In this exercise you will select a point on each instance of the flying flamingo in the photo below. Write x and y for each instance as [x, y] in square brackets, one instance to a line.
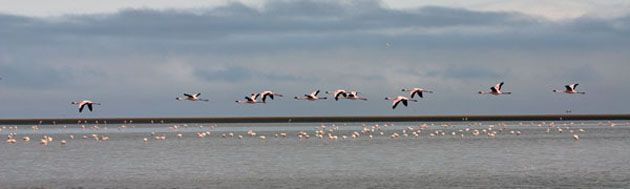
[269, 94]
[192, 97]
[250, 100]
[337, 93]
[84, 103]
[570, 89]
[312, 97]
[399, 99]
[353, 95]
[496, 90]
[414, 91]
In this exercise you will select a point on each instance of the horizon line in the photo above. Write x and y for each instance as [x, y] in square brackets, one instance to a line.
[314, 119]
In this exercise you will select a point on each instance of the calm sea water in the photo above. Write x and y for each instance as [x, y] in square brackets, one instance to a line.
[601, 158]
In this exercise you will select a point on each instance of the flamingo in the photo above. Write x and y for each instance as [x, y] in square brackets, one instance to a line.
[312, 97]
[570, 89]
[191, 97]
[414, 91]
[353, 95]
[269, 94]
[250, 100]
[399, 99]
[496, 90]
[337, 93]
[84, 103]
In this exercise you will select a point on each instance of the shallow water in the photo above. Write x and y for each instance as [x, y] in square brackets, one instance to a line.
[601, 158]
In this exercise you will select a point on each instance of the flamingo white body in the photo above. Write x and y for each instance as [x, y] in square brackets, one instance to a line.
[496, 90]
[85, 103]
[191, 97]
[250, 100]
[570, 89]
[353, 95]
[418, 91]
[399, 99]
[269, 94]
[338, 93]
[312, 97]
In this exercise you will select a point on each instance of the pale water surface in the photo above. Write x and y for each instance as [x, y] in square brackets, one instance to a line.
[601, 158]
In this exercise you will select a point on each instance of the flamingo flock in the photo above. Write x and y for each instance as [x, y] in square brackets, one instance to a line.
[331, 132]
[340, 94]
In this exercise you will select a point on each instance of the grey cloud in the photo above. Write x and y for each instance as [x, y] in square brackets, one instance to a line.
[580, 73]
[587, 25]
[300, 25]
[25, 75]
[281, 17]
[237, 74]
[231, 74]
[466, 72]
[283, 77]
[214, 29]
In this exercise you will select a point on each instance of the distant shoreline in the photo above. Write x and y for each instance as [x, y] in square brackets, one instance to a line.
[307, 119]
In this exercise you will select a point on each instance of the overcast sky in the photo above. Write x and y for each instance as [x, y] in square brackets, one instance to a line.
[135, 57]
